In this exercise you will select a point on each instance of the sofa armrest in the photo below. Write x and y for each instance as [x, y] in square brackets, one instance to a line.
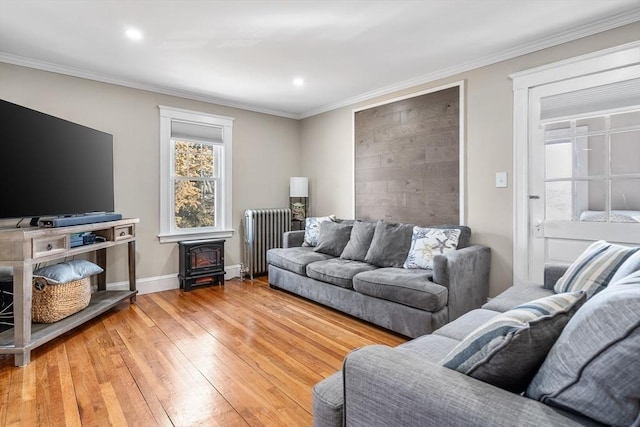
[384, 386]
[292, 239]
[465, 273]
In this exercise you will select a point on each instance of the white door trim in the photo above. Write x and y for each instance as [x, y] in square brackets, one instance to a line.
[524, 81]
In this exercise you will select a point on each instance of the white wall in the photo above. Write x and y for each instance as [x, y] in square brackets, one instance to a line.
[327, 148]
[266, 153]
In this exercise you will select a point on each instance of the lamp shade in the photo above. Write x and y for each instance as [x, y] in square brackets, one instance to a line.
[298, 186]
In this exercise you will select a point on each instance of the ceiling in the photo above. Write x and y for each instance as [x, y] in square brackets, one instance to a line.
[246, 53]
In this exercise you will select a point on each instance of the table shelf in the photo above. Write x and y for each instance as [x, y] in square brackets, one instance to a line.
[41, 333]
[23, 248]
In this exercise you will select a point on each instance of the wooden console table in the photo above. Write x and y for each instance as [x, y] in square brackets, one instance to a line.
[22, 248]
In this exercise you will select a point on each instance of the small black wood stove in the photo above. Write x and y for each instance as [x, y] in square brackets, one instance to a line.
[201, 263]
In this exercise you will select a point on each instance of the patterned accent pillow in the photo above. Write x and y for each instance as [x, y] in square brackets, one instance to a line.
[312, 229]
[594, 268]
[594, 367]
[507, 350]
[426, 243]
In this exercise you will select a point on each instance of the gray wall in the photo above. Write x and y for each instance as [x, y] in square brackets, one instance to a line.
[266, 152]
[328, 139]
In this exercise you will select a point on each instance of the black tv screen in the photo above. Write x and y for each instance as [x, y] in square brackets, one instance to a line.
[52, 167]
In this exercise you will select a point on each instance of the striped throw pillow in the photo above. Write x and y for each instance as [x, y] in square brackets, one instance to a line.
[594, 268]
[507, 350]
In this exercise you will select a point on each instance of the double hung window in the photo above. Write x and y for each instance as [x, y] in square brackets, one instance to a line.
[195, 198]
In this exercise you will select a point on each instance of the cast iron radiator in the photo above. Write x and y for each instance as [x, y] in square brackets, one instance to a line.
[263, 230]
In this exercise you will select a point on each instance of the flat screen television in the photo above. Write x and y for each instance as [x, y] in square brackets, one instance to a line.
[52, 167]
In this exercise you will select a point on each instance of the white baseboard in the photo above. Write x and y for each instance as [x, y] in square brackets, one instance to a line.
[148, 285]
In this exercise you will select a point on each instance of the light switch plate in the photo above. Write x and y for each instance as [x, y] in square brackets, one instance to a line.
[501, 179]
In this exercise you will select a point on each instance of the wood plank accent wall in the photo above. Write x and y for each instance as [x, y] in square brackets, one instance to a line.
[407, 160]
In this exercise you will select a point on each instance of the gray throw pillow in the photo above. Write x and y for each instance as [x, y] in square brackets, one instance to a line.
[312, 228]
[594, 367]
[359, 241]
[390, 244]
[507, 350]
[333, 237]
[65, 272]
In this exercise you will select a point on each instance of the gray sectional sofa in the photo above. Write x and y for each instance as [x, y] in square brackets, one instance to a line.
[591, 372]
[357, 268]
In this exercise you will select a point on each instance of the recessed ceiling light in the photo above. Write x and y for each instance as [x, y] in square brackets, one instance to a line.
[298, 81]
[133, 34]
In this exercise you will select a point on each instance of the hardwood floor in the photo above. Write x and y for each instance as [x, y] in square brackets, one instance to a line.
[238, 355]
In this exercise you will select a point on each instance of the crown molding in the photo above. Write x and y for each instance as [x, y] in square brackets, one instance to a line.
[76, 72]
[544, 43]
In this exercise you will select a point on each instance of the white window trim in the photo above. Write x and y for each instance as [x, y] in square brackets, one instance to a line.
[225, 228]
[524, 81]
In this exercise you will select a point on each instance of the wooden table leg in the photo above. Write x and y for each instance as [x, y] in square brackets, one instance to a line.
[132, 269]
[22, 291]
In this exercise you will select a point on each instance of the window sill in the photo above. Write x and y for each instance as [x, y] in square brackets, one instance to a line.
[195, 235]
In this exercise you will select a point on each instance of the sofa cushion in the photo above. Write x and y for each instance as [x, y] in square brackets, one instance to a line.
[507, 350]
[390, 244]
[333, 237]
[337, 271]
[294, 259]
[428, 242]
[359, 241]
[594, 367]
[553, 272]
[312, 229]
[408, 287]
[516, 295]
[594, 268]
[460, 328]
[430, 347]
[346, 221]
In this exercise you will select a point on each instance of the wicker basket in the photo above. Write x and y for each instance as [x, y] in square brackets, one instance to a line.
[54, 301]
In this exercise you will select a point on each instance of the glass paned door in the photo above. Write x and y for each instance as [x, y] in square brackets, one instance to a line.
[584, 173]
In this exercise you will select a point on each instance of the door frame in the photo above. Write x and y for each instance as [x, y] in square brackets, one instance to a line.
[523, 82]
